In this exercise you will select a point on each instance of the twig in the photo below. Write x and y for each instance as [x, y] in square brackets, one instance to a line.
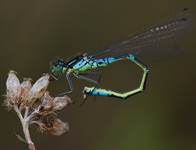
[25, 126]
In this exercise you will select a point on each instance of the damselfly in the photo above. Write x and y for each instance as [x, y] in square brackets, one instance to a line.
[147, 40]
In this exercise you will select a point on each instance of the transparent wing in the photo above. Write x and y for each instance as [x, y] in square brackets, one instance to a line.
[155, 35]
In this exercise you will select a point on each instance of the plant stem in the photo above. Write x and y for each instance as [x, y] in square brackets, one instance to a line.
[25, 126]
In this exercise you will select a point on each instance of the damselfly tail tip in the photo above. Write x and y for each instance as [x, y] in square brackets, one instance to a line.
[84, 94]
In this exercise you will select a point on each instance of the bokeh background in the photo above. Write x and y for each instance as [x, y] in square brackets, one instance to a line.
[32, 33]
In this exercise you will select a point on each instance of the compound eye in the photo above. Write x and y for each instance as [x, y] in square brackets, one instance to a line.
[59, 64]
[57, 68]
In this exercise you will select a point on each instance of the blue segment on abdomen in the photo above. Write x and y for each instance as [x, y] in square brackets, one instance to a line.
[100, 93]
[133, 57]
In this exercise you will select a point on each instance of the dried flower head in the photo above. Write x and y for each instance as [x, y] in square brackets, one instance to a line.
[40, 108]
[53, 126]
[13, 90]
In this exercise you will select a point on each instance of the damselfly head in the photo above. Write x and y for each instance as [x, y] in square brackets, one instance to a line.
[58, 65]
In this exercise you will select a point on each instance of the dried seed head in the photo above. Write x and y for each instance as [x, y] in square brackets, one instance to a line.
[13, 89]
[49, 105]
[58, 127]
[60, 102]
[46, 104]
[24, 94]
[26, 86]
[40, 107]
[38, 89]
[52, 126]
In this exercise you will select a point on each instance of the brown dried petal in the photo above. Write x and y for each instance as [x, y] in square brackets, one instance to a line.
[13, 88]
[58, 127]
[26, 83]
[46, 103]
[26, 86]
[52, 126]
[60, 102]
[38, 89]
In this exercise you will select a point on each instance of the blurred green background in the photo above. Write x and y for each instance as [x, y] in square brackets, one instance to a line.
[32, 33]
